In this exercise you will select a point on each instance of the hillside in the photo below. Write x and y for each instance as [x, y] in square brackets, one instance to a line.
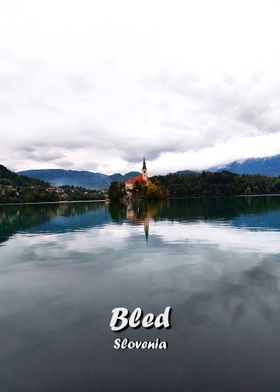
[223, 183]
[9, 178]
[15, 188]
[86, 179]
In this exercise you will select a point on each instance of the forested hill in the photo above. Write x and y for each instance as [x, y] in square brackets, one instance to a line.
[218, 184]
[16, 188]
[7, 177]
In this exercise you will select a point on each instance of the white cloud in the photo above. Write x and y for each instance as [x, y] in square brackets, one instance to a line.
[97, 85]
[223, 236]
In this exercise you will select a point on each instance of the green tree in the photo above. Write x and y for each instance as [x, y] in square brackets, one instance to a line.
[116, 191]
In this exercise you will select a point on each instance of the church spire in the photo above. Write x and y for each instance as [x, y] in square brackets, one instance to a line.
[144, 164]
[144, 171]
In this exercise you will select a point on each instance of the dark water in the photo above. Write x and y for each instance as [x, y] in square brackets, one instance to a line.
[63, 268]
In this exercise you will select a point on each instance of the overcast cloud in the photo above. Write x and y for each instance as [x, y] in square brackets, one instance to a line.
[95, 85]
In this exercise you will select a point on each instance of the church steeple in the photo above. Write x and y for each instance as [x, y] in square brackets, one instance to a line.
[144, 170]
[144, 164]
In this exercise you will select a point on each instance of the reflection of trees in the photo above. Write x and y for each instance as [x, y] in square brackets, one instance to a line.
[189, 209]
[24, 217]
[217, 208]
[137, 212]
[141, 209]
[117, 211]
[195, 208]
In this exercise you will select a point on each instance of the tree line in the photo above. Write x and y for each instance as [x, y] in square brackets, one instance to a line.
[224, 183]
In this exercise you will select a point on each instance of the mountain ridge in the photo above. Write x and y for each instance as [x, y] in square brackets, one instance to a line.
[268, 166]
[83, 178]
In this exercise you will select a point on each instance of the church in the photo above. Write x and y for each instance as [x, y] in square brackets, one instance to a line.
[130, 183]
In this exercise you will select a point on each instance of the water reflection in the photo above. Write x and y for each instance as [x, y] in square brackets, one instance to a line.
[63, 268]
[52, 218]
[141, 213]
[222, 221]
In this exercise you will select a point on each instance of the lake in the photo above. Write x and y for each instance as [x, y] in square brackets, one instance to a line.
[64, 267]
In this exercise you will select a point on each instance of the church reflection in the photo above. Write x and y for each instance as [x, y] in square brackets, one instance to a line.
[137, 215]
[138, 212]
[143, 213]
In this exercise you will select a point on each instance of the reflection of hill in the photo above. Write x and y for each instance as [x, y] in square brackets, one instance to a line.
[50, 218]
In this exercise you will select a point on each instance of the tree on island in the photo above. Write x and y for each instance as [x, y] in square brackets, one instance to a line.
[116, 191]
[141, 190]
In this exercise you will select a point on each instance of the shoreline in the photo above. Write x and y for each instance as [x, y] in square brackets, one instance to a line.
[108, 201]
[53, 202]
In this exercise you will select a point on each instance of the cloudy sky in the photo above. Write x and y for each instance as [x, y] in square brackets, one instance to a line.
[95, 85]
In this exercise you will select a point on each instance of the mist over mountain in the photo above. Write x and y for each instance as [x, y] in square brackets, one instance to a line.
[268, 166]
[85, 179]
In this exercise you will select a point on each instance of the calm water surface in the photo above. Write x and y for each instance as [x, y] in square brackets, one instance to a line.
[63, 268]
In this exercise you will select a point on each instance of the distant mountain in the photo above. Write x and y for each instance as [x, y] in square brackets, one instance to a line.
[187, 171]
[59, 177]
[86, 179]
[268, 166]
[120, 177]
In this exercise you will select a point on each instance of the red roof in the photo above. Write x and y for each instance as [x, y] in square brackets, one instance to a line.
[137, 178]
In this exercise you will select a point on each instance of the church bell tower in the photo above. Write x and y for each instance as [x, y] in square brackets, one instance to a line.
[144, 171]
